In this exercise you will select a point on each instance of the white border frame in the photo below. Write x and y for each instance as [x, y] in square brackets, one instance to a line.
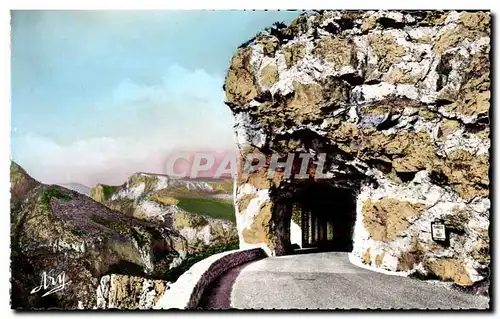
[186, 4]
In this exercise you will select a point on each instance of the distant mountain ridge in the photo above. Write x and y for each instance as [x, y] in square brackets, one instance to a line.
[77, 187]
[141, 183]
[201, 210]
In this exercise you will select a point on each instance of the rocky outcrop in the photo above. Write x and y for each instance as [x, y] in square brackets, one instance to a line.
[59, 233]
[187, 206]
[399, 102]
[201, 231]
[101, 193]
[129, 292]
[20, 184]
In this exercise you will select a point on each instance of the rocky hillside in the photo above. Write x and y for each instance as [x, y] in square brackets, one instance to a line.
[57, 231]
[20, 184]
[201, 210]
[399, 100]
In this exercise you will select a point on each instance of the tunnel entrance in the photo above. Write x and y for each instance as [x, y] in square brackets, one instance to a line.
[327, 216]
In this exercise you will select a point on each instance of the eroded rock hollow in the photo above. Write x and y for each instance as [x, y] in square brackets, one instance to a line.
[399, 102]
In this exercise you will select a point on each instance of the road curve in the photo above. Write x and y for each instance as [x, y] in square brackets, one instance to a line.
[327, 281]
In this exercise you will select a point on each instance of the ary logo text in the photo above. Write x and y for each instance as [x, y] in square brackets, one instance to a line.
[51, 282]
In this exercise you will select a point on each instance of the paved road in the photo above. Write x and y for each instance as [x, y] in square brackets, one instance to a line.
[327, 281]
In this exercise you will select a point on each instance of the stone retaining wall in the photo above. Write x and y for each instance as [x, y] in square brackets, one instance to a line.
[186, 292]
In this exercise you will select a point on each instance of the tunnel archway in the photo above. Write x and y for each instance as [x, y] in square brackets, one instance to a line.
[327, 216]
[315, 215]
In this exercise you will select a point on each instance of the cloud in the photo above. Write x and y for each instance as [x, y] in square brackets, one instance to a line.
[185, 110]
[83, 161]
[135, 132]
[177, 84]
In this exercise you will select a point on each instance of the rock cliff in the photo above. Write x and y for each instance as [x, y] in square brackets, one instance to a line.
[201, 211]
[129, 292]
[56, 231]
[399, 101]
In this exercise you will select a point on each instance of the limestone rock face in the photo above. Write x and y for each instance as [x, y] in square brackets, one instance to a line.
[166, 201]
[399, 101]
[129, 292]
[57, 231]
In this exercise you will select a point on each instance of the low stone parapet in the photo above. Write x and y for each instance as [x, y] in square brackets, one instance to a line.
[186, 292]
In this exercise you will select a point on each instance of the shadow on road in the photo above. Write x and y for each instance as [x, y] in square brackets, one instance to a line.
[313, 250]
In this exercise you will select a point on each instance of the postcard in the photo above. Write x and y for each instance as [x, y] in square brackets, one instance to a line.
[255, 160]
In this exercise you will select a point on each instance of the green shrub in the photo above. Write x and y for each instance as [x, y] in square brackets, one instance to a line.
[107, 191]
[53, 193]
[77, 232]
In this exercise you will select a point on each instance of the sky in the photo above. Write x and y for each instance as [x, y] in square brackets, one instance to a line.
[99, 95]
